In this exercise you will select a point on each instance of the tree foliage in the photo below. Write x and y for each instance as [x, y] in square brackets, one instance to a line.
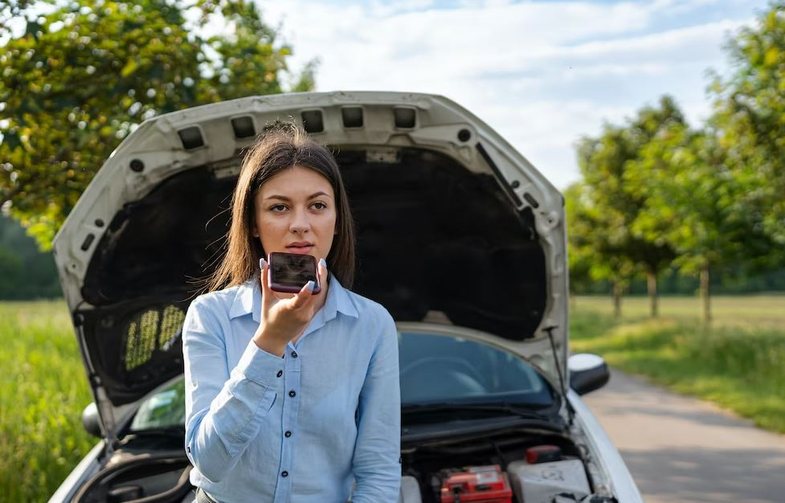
[697, 204]
[82, 76]
[749, 116]
[657, 193]
[614, 198]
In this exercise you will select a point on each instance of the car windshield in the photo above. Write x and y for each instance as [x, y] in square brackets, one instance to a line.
[435, 368]
[447, 368]
[165, 409]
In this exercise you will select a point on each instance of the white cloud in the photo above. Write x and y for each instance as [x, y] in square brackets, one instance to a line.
[541, 73]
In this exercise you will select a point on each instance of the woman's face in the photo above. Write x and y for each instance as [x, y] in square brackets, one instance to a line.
[295, 213]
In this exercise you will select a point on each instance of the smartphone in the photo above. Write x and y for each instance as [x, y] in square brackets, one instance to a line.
[289, 272]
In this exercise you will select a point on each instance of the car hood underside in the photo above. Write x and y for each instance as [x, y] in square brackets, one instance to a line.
[453, 225]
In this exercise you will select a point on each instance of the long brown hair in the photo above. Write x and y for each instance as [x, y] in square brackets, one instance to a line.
[283, 145]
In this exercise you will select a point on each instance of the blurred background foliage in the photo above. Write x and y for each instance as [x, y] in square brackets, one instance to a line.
[25, 271]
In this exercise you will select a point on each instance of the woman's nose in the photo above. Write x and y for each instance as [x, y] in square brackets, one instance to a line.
[300, 222]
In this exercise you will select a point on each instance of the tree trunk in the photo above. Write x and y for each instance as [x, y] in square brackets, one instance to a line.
[705, 294]
[651, 286]
[617, 291]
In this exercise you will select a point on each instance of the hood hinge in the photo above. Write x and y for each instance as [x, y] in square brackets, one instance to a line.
[102, 403]
[570, 414]
[105, 413]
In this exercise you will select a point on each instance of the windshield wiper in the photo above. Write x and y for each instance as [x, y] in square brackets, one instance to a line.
[487, 414]
[500, 408]
[177, 431]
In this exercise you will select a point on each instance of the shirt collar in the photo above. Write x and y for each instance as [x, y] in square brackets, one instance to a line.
[248, 300]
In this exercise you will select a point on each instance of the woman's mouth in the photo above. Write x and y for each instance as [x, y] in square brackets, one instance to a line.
[301, 247]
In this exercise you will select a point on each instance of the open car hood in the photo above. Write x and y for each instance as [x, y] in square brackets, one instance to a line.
[453, 225]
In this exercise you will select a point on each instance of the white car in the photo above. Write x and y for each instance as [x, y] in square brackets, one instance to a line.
[459, 236]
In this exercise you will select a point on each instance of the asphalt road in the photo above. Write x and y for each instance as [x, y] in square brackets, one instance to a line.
[684, 450]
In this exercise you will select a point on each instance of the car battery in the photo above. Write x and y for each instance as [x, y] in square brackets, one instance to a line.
[476, 484]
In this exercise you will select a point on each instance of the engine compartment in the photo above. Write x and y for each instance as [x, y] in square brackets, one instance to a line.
[511, 465]
[500, 468]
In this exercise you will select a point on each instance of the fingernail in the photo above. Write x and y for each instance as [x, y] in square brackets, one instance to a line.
[262, 263]
[310, 285]
[323, 263]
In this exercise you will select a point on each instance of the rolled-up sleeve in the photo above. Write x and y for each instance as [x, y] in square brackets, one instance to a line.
[376, 464]
[224, 407]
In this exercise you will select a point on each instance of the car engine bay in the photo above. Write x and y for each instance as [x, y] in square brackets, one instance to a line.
[505, 467]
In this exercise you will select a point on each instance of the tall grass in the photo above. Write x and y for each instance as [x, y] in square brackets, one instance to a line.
[43, 390]
[738, 362]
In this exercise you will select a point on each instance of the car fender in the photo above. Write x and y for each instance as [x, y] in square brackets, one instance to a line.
[605, 453]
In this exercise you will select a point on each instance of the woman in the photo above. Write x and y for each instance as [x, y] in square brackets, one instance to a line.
[291, 398]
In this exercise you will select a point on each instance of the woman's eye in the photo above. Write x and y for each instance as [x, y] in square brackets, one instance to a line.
[319, 205]
[278, 208]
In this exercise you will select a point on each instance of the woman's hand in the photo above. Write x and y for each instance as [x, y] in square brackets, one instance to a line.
[285, 316]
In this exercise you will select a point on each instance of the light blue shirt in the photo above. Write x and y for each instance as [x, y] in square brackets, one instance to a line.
[300, 428]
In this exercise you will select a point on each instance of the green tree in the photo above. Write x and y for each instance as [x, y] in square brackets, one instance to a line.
[593, 253]
[696, 203]
[579, 256]
[614, 198]
[243, 65]
[749, 116]
[598, 233]
[80, 77]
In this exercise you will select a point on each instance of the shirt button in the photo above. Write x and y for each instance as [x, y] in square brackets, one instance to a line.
[284, 473]
[280, 373]
[294, 354]
[287, 435]
[292, 394]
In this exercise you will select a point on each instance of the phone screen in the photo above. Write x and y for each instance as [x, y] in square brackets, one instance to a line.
[289, 272]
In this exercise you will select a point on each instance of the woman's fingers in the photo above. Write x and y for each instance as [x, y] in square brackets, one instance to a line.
[303, 296]
[322, 272]
[267, 293]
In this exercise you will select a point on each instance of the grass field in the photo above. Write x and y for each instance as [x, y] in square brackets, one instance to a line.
[753, 311]
[43, 390]
[738, 362]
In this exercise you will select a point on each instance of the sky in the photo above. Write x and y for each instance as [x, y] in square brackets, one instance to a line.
[543, 73]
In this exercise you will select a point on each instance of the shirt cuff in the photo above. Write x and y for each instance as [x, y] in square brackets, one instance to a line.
[261, 367]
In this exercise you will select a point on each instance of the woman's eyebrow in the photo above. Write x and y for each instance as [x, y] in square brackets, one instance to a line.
[287, 199]
[318, 194]
[276, 196]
